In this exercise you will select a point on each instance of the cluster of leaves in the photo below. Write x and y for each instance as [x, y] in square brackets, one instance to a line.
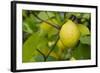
[39, 38]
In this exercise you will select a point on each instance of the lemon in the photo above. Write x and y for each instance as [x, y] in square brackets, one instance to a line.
[69, 34]
[45, 26]
[60, 44]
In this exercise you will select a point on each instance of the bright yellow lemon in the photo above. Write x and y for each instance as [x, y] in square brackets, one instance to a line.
[69, 34]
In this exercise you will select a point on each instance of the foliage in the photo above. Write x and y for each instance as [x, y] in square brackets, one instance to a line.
[40, 38]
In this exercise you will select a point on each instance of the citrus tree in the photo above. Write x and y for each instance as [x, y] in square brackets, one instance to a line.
[55, 36]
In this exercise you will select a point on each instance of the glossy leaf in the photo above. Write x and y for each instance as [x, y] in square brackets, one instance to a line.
[45, 15]
[83, 30]
[82, 52]
[85, 40]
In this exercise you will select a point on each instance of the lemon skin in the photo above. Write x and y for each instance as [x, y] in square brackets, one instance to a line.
[69, 34]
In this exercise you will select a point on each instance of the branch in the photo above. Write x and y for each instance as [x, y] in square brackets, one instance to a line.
[42, 54]
[52, 48]
[55, 26]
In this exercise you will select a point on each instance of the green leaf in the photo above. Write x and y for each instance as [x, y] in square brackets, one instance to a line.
[25, 36]
[77, 14]
[51, 58]
[82, 20]
[83, 30]
[43, 15]
[86, 23]
[26, 28]
[62, 16]
[86, 40]
[30, 24]
[54, 21]
[87, 16]
[50, 14]
[40, 58]
[37, 58]
[82, 52]
[24, 13]
[58, 18]
[35, 41]
[68, 14]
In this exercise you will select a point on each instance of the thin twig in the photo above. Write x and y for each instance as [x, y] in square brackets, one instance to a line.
[42, 54]
[52, 48]
[48, 15]
[55, 26]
